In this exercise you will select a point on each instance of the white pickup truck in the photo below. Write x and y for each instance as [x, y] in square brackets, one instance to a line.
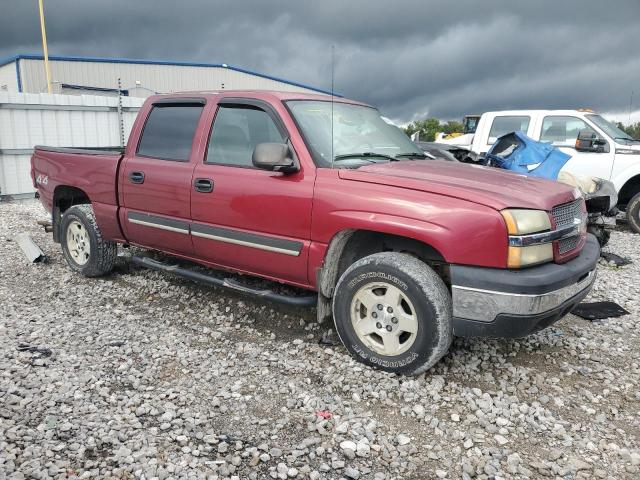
[612, 155]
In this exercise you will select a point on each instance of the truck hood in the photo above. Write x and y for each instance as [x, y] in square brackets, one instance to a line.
[482, 185]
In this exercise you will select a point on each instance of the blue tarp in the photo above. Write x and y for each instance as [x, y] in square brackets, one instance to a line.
[519, 153]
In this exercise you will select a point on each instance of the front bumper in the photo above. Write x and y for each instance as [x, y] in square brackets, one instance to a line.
[490, 302]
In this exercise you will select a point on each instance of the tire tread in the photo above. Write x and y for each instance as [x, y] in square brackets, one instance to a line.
[106, 251]
[430, 283]
[633, 213]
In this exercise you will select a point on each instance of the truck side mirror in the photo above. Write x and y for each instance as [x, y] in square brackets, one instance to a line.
[588, 141]
[275, 157]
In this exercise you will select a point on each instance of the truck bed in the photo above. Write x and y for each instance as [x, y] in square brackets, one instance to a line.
[92, 171]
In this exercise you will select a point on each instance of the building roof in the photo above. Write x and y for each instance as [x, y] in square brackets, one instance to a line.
[64, 58]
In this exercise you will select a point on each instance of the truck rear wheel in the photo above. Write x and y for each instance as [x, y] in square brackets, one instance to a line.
[393, 312]
[82, 245]
[633, 213]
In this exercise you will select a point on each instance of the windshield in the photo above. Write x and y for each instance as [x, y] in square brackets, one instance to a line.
[609, 128]
[360, 135]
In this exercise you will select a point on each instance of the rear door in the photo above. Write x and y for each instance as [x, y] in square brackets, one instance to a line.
[155, 180]
[562, 132]
[250, 219]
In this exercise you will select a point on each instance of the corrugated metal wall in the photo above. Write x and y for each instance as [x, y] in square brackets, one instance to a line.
[158, 78]
[8, 77]
[29, 119]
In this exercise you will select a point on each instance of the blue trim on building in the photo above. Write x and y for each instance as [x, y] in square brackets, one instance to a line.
[5, 60]
[31, 56]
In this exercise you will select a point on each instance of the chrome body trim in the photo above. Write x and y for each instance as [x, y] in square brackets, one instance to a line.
[158, 225]
[226, 235]
[485, 305]
[245, 243]
[546, 237]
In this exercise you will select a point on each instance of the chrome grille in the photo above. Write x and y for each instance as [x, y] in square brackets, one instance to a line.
[564, 216]
[565, 213]
[567, 244]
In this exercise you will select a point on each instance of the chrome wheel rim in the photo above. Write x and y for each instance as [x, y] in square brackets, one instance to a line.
[78, 243]
[384, 318]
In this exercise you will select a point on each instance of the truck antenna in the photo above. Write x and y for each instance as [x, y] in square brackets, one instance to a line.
[333, 47]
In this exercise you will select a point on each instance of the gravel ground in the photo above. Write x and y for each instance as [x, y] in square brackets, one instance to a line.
[140, 375]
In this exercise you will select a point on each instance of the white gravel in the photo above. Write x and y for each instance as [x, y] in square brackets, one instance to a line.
[140, 375]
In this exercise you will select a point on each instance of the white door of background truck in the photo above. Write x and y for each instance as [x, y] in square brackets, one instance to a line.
[562, 131]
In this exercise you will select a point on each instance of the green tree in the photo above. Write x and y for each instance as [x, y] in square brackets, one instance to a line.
[428, 128]
[451, 127]
[632, 129]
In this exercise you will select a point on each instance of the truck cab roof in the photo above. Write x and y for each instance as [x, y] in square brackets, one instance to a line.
[569, 112]
[256, 94]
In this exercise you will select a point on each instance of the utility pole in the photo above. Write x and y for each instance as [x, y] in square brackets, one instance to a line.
[44, 46]
[120, 113]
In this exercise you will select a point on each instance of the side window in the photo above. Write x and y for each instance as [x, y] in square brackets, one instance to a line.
[236, 132]
[562, 131]
[169, 130]
[507, 124]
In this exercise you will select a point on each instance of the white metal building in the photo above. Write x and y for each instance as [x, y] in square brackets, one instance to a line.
[140, 78]
[83, 110]
[29, 119]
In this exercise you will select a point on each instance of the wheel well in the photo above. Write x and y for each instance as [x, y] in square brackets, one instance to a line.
[65, 197]
[350, 246]
[628, 190]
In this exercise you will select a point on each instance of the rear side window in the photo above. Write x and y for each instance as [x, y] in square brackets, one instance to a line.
[507, 124]
[236, 132]
[169, 130]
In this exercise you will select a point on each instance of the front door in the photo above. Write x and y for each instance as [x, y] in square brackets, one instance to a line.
[562, 131]
[250, 220]
[156, 178]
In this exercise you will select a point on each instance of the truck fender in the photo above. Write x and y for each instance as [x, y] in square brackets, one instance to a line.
[64, 197]
[417, 230]
[621, 179]
[328, 274]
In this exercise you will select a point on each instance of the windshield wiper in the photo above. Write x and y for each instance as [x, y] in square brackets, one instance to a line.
[364, 155]
[628, 139]
[411, 155]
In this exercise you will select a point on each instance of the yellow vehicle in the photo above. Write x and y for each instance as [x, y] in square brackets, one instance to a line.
[470, 123]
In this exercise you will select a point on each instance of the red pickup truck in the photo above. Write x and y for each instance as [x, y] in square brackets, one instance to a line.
[403, 251]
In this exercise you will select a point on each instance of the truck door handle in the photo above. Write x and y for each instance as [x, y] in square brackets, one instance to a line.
[136, 177]
[203, 185]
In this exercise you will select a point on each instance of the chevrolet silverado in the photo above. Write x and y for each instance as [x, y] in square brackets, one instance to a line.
[403, 251]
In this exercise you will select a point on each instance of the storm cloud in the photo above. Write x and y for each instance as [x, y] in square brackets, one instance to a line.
[410, 58]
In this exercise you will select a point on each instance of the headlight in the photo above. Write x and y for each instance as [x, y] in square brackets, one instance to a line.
[527, 256]
[524, 222]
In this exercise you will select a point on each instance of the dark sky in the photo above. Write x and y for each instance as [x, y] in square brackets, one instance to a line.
[410, 58]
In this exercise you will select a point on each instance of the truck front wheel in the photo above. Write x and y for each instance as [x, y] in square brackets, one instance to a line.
[633, 213]
[82, 244]
[393, 312]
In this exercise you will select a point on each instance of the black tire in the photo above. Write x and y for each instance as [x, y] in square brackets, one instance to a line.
[102, 254]
[428, 296]
[633, 213]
